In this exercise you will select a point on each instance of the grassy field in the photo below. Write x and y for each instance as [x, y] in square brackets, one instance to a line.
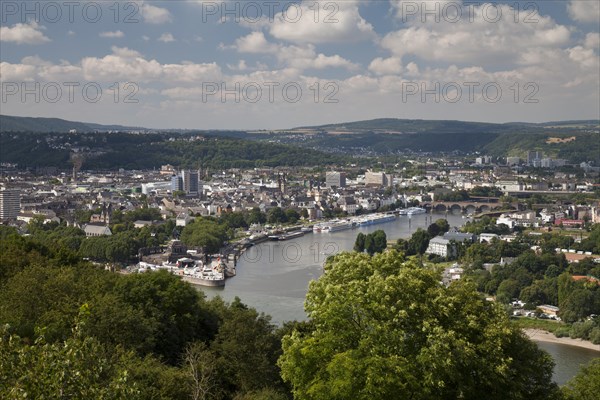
[534, 323]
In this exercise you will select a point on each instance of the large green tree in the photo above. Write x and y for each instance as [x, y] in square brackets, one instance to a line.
[418, 242]
[204, 232]
[78, 368]
[386, 329]
[276, 216]
[586, 384]
[359, 244]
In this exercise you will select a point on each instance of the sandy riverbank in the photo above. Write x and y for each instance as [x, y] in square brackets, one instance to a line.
[538, 335]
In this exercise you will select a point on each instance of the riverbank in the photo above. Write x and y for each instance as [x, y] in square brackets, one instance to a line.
[538, 335]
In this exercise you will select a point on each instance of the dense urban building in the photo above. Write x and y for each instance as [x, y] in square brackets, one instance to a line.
[335, 179]
[10, 204]
[377, 179]
[176, 183]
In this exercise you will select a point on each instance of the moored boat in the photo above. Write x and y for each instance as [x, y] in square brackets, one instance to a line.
[416, 211]
[336, 226]
[212, 274]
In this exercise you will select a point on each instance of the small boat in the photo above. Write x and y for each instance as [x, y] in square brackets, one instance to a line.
[292, 235]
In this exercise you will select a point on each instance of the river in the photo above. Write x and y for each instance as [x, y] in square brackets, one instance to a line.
[273, 277]
[568, 359]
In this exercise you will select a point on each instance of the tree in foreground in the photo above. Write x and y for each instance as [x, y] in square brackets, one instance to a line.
[384, 328]
[586, 384]
[78, 368]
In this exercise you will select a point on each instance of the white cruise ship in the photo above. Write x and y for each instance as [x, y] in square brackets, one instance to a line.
[336, 226]
[413, 211]
[373, 219]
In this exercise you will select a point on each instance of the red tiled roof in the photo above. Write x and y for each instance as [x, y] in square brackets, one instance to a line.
[587, 278]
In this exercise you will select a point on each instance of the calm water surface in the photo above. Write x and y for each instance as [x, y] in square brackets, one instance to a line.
[568, 359]
[273, 277]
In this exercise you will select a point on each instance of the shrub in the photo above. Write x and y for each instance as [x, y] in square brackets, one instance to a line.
[582, 329]
[595, 335]
[562, 332]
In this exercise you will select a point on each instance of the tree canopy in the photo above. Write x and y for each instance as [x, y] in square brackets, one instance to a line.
[385, 328]
[586, 384]
[205, 232]
[375, 242]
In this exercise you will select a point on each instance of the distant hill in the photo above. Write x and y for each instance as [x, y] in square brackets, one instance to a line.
[110, 151]
[394, 125]
[575, 141]
[407, 126]
[10, 123]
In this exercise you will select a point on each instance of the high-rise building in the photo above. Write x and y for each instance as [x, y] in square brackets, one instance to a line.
[546, 163]
[534, 158]
[513, 160]
[10, 204]
[191, 181]
[337, 179]
[483, 160]
[376, 179]
[176, 183]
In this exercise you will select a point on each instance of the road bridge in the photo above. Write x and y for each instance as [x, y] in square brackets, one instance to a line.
[469, 207]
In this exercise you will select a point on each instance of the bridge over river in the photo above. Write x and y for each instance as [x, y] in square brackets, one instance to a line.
[469, 207]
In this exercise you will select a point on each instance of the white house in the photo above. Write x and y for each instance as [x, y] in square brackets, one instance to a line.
[183, 219]
[141, 224]
[92, 230]
[28, 216]
[443, 246]
[487, 237]
[348, 204]
[439, 246]
[506, 220]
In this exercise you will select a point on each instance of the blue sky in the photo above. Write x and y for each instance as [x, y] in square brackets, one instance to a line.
[278, 64]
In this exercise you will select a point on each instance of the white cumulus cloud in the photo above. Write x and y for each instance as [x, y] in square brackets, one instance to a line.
[386, 66]
[155, 15]
[112, 34]
[166, 38]
[302, 56]
[322, 22]
[255, 42]
[476, 41]
[584, 11]
[29, 33]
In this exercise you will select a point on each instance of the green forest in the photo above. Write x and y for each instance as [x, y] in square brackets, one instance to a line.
[130, 151]
[240, 149]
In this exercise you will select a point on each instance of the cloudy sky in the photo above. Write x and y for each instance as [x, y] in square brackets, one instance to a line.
[277, 64]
